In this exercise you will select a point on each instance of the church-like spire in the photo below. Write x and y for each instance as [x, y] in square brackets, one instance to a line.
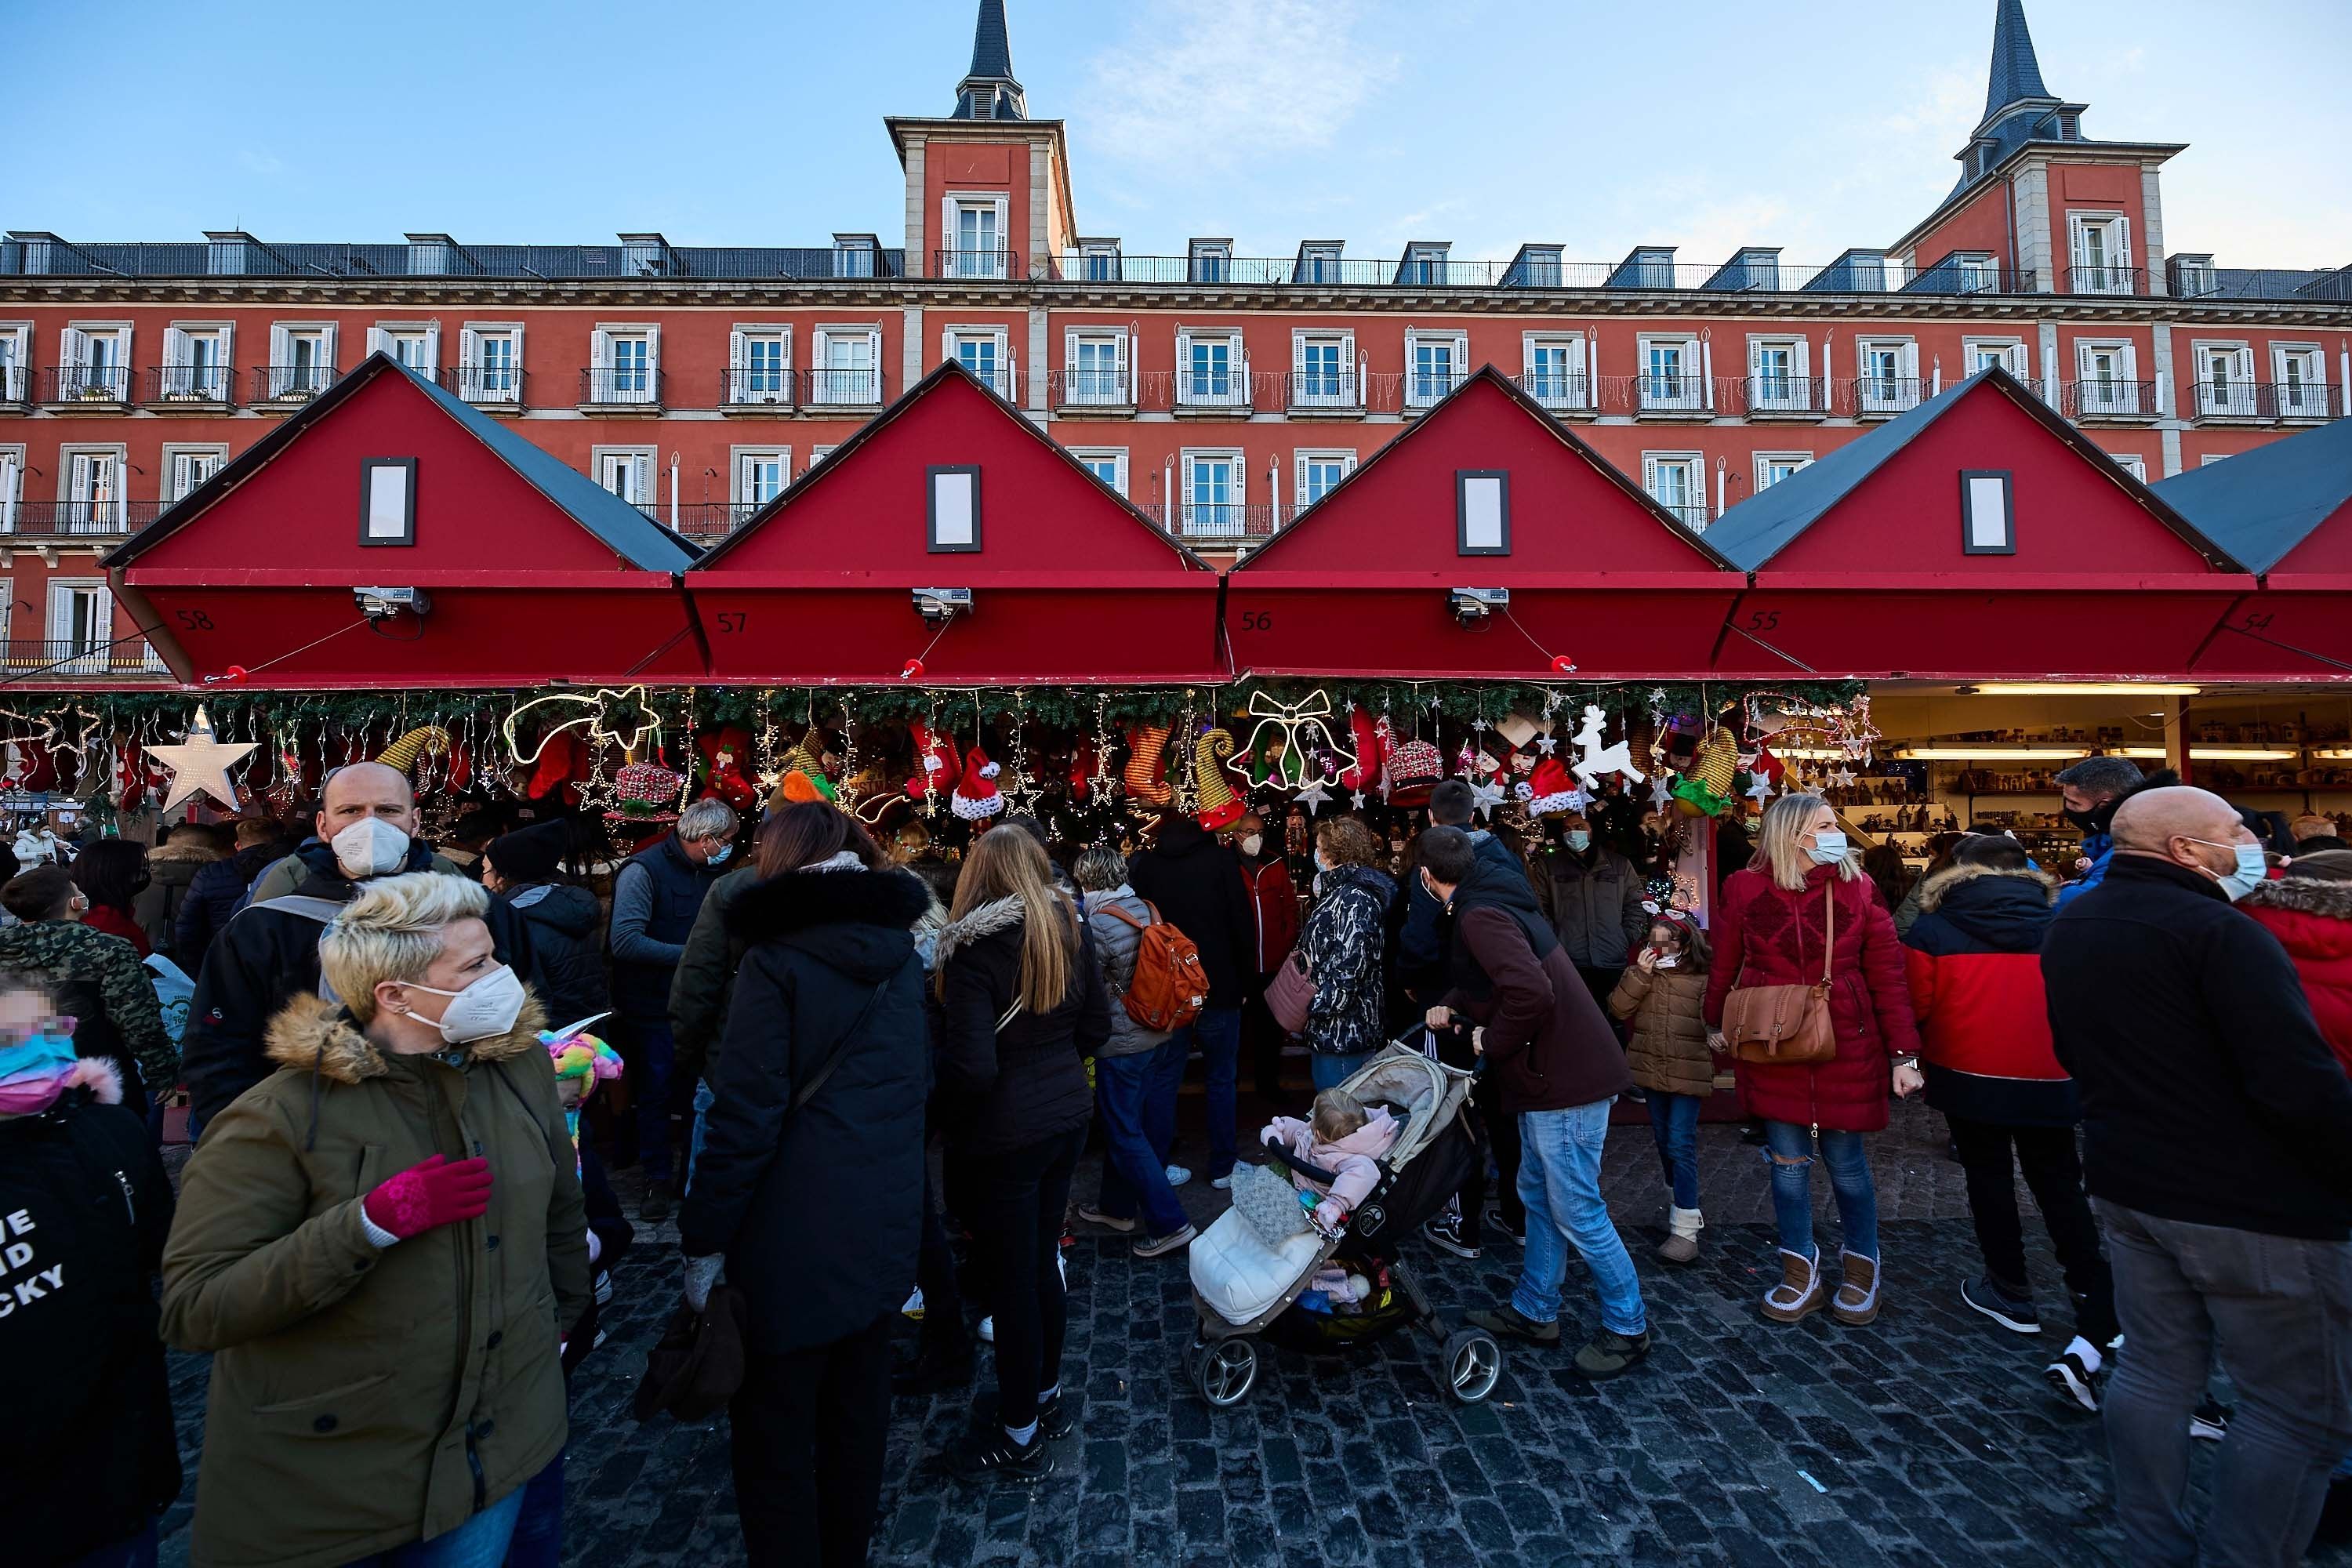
[988, 90]
[2016, 74]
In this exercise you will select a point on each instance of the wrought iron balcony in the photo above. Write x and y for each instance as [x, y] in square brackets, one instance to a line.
[81, 656]
[2101, 399]
[1878, 395]
[629, 386]
[755, 386]
[15, 384]
[1694, 514]
[492, 386]
[840, 387]
[2081, 279]
[286, 385]
[47, 520]
[1092, 389]
[106, 384]
[1791, 396]
[1558, 390]
[706, 521]
[2263, 400]
[1001, 262]
[1214, 520]
[1324, 391]
[1424, 388]
[1213, 389]
[1658, 392]
[198, 383]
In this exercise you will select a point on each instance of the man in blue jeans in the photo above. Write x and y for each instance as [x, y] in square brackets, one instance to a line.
[1553, 1061]
[1195, 881]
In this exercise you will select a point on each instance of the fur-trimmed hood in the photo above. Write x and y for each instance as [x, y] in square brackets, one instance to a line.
[190, 852]
[984, 921]
[1935, 888]
[314, 1035]
[823, 896]
[2302, 896]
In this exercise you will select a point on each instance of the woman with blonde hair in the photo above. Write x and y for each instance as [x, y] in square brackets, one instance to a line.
[1023, 1006]
[382, 1244]
[1804, 904]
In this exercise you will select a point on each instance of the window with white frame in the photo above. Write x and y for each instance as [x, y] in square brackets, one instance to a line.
[818, 455]
[416, 344]
[185, 468]
[1319, 473]
[1323, 370]
[1555, 376]
[625, 364]
[1216, 486]
[1212, 370]
[853, 257]
[1677, 481]
[1771, 467]
[94, 362]
[976, 228]
[195, 363]
[489, 362]
[2210, 459]
[301, 361]
[15, 362]
[1107, 464]
[2099, 247]
[2225, 380]
[1983, 353]
[90, 484]
[1095, 368]
[984, 352]
[1778, 378]
[1888, 378]
[760, 363]
[848, 362]
[760, 475]
[2299, 381]
[2106, 379]
[1433, 365]
[627, 472]
[1670, 378]
[82, 622]
[2131, 463]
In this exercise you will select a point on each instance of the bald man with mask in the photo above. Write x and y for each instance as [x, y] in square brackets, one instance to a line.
[2218, 1151]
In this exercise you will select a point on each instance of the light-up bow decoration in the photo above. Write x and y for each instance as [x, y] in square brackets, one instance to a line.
[1299, 724]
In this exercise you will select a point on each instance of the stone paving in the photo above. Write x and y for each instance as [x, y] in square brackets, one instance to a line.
[1928, 1437]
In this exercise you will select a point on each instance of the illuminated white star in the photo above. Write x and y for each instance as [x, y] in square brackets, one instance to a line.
[1760, 788]
[1314, 798]
[200, 764]
[1362, 800]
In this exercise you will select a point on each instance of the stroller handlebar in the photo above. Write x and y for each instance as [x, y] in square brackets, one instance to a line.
[1306, 1168]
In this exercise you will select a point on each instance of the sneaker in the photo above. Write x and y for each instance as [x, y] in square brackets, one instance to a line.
[1178, 1175]
[914, 1307]
[1093, 1215]
[994, 1456]
[988, 1330]
[2075, 1375]
[1611, 1354]
[1507, 1322]
[654, 1206]
[603, 1282]
[1497, 1222]
[1161, 1245]
[1222, 1184]
[2209, 1421]
[1056, 1418]
[1445, 1231]
[2011, 1312]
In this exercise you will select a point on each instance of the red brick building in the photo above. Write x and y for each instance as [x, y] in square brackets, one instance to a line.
[1222, 393]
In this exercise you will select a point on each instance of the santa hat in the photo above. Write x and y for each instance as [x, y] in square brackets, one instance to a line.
[975, 794]
[1550, 789]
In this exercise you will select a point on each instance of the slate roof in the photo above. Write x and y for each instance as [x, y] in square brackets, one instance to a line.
[2262, 503]
[2016, 74]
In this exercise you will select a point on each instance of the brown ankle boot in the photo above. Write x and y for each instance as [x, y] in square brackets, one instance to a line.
[1798, 1296]
[1857, 1294]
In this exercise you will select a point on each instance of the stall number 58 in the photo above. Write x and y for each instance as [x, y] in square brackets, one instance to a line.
[194, 620]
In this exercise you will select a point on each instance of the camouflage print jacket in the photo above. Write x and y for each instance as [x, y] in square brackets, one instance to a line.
[90, 970]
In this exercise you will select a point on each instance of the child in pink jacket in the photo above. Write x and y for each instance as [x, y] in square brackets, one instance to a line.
[1343, 1138]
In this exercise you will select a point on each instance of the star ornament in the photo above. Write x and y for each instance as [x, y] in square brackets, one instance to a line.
[1314, 798]
[200, 763]
[1485, 798]
[1760, 788]
[1547, 744]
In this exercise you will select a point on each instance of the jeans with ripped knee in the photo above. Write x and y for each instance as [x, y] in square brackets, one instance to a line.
[1789, 1150]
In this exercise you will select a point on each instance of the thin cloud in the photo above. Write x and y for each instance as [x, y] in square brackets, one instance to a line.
[261, 162]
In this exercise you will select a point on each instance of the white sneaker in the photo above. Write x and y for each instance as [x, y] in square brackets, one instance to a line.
[1178, 1175]
[988, 1330]
[1222, 1184]
[914, 1307]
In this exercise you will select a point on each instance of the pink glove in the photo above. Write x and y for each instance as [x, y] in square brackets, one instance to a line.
[434, 1193]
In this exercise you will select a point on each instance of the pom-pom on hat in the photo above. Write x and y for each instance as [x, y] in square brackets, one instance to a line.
[1549, 790]
[975, 797]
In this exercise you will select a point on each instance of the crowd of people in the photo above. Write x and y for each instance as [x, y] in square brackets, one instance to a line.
[396, 1227]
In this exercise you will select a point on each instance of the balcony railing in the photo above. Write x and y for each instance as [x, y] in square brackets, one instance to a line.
[1787, 394]
[240, 256]
[2263, 400]
[1694, 514]
[1212, 388]
[495, 385]
[755, 386]
[103, 383]
[2101, 399]
[186, 383]
[1873, 394]
[1423, 388]
[1557, 389]
[292, 384]
[999, 262]
[1658, 393]
[2086, 280]
[706, 521]
[15, 384]
[841, 388]
[68, 656]
[1218, 520]
[1092, 389]
[631, 386]
[1324, 391]
[103, 518]
[2202, 281]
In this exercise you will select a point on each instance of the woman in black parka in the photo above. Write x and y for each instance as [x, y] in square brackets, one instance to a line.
[817, 1211]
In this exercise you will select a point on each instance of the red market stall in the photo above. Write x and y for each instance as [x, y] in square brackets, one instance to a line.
[951, 542]
[390, 535]
[2285, 509]
[1980, 536]
[1486, 543]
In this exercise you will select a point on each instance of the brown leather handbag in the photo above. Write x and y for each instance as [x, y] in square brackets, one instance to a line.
[1786, 1023]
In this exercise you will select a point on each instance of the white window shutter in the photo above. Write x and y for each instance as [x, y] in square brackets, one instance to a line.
[737, 356]
[1911, 362]
[279, 354]
[433, 348]
[2013, 360]
[947, 346]
[1755, 359]
[73, 348]
[470, 346]
[1119, 374]
[228, 346]
[1803, 359]
[2123, 242]
[326, 341]
[379, 342]
[1297, 354]
[599, 351]
[176, 348]
[652, 348]
[786, 337]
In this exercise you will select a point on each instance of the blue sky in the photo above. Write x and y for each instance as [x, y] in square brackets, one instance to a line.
[1810, 124]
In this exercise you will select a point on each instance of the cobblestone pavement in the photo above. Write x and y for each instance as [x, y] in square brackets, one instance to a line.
[1928, 1437]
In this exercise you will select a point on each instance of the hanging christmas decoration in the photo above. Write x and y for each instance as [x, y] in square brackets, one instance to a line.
[1217, 807]
[621, 717]
[976, 796]
[1412, 770]
[1315, 796]
[405, 752]
[803, 775]
[1298, 741]
[200, 763]
[645, 797]
[1707, 790]
[1020, 790]
[1549, 790]
[936, 766]
[1147, 747]
[1600, 757]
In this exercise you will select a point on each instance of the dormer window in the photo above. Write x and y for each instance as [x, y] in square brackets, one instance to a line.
[1099, 260]
[1319, 261]
[2067, 126]
[1538, 267]
[852, 255]
[1211, 261]
[1424, 264]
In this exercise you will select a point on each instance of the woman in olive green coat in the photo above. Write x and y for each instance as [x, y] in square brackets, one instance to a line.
[382, 1243]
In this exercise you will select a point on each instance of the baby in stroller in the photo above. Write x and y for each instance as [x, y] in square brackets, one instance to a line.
[1344, 1137]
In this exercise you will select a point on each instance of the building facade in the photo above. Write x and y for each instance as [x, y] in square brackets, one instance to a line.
[1224, 394]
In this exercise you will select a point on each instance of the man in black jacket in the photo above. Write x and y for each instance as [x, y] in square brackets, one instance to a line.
[1596, 907]
[1195, 883]
[524, 868]
[216, 891]
[269, 954]
[2218, 1150]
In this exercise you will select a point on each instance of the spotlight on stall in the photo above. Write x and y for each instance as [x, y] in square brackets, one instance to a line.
[937, 607]
[1473, 607]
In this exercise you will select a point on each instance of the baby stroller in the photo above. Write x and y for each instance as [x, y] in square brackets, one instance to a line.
[1244, 1289]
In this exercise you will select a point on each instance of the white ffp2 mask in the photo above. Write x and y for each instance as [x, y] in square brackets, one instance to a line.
[370, 847]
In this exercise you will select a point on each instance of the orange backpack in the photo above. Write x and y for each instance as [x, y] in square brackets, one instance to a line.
[1168, 987]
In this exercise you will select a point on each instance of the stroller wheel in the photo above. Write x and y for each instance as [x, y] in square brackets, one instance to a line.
[1474, 1364]
[1224, 1372]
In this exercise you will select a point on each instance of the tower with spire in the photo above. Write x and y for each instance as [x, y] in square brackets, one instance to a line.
[988, 90]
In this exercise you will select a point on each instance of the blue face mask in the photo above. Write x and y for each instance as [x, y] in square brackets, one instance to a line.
[1829, 847]
[719, 856]
[37, 1054]
[2254, 869]
[1579, 839]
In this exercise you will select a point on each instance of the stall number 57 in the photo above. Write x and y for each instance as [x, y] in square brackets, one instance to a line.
[732, 621]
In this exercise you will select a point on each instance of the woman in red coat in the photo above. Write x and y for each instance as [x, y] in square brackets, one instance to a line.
[2309, 910]
[1770, 931]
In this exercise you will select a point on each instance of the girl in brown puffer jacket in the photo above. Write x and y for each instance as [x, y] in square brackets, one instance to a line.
[1671, 1055]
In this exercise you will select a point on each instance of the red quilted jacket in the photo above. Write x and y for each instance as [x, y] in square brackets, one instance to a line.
[2312, 920]
[1765, 935]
